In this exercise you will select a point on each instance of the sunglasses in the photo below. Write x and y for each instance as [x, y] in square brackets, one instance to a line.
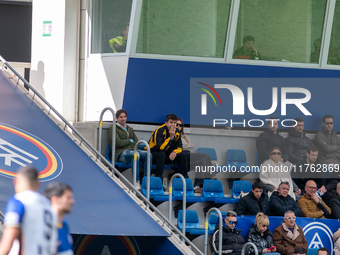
[179, 125]
[329, 123]
[232, 222]
[276, 153]
[290, 218]
[265, 226]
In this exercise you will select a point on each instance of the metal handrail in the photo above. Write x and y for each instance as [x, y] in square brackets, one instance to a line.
[184, 200]
[246, 246]
[148, 169]
[206, 231]
[100, 134]
[101, 157]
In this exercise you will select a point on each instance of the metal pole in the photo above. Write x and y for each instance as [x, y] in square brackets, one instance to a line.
[148, 172]
[100, 133]
[249, 244]
[184, 199]
[206, 231]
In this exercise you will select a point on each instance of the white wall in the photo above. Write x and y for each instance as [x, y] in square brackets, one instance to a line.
[54, 68]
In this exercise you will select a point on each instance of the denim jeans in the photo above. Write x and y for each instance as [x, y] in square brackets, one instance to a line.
[127, 157]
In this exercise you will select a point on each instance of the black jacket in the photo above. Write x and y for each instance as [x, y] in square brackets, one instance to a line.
[249, 205]
[261, 242]
[278, 205]
[334, 204]
[232, 240]
[268, 140]
[297, 144]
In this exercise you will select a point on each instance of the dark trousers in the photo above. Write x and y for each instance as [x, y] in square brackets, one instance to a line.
[160, 158]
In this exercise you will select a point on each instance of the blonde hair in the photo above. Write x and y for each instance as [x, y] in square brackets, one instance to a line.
[261, 218]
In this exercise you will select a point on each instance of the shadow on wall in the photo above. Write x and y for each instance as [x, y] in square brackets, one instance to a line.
[38, 77]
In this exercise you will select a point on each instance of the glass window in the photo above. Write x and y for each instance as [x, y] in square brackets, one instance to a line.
[279, 30]
[110, 25]
[186, 28]
[334, 47]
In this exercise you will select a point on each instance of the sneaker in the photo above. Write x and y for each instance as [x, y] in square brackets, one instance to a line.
[138, 185]
[165, 183]
[198, 189]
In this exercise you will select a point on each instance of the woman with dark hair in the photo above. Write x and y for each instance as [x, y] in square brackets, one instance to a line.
[194, 159]
[273, 172]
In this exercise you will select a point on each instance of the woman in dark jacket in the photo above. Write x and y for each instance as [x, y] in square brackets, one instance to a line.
[260, 235]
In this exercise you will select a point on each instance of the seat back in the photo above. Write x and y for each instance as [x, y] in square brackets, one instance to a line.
[191, 220]
[108, 153]
[156, 186]
[236, 158]
[210, 151]
[312, 251]
[239, 186]
[177, 187]
[213, 220]
[212, 189]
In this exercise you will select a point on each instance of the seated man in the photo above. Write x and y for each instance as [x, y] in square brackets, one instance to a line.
[297, 142]
[232, 240]
[311, 205]
[256, 201]
[166, 147]
[300, 251]
[247, 51]
[334, 202]
[289, 236]
[281, 201]
[126, 140]
[118, 44]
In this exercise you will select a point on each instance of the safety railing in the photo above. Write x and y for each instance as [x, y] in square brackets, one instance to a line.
[207, 228]
[100, 133]
[244, 249]
[148, 168]
[99, 156]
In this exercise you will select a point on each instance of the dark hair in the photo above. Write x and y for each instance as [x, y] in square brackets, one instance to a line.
[298, 119]
[326, 117]
[30, 173]
[312, 148]
[275, 148]
[300, 250]
[231, 214]
[182, 131]
[283, 183]
[170, 117]
[248, 38]
[56, 189]
[257, 184]
[119, 112]
[323, 249]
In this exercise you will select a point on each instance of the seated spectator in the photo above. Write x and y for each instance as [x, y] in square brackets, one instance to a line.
[256, 201]
[247, 51]
[118, 44]
[281, 201]
[126, 140]
[260, 235]
[323, 251]
[334, 203]
[289, 236]
[268, 139]
[300, 251]
[232, 240]
[337, 242]
[194, 159]
[297, 142]
[312, 206]
[166, 147]
[273, 172]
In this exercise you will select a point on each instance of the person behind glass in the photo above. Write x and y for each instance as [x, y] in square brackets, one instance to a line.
[126, 140]
[232, 240]
[261, 236]
[273, 172]
[247, 51]
[118, 44]
[300, 251]
[201, 160]
[314, 56]
[281, 201]
[288, 235]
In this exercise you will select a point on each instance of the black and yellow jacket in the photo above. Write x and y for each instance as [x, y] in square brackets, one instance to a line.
[160, 140]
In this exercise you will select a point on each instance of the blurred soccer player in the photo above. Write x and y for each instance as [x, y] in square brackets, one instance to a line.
[29, 218]
[61, 197]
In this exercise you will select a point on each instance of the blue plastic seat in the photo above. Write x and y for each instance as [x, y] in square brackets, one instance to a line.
[239, 186]
[213, 191]
[236, 158]
[118, 164]
[312, 251]
[210, 151]
[190, 196]
[192, 224]
[213, 220]
[156, 189]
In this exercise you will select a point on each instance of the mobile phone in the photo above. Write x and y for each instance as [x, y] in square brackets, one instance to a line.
[272, 248]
